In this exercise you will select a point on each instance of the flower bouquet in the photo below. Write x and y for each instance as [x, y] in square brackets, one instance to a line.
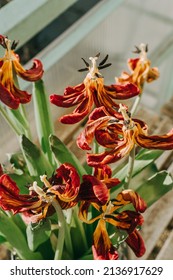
[52, 206]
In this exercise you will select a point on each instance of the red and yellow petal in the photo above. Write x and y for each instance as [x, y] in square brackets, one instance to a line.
[81, 111]
[105, 175]
[65, 183]
[11, 200]
[33, 74]
[69, 99]
[122, 92]
[136, 243]
[161, 142]
[102, 247]
[93, 190]
[8, 98]
[129, 196]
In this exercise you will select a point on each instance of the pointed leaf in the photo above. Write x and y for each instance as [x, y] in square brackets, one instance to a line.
[155, 187]
[62, 154]
[38, 234]
[142, 161]
[2, 239]
[11, 232]
[36, 161]
[43, 119]
[18, 119]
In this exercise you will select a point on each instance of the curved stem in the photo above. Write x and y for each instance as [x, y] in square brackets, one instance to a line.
[130, 168]
[61, 230]
[136, 104]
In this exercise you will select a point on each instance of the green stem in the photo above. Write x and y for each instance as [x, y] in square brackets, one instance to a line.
[79, 225]
[61, 230]
[68, 241]
[9, 121]
[136, 104]
[130, 168]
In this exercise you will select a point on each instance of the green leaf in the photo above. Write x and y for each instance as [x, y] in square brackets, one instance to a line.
[62, 154]
[142, 161]
[17, 161]
[36, 161]
[38, 234]
[155, 187]
[18, 119]
[11, 232]
[2, 239]
[43, 119]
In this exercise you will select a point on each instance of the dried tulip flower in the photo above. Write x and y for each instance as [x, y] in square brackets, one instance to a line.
[92, 91]
[10, 68]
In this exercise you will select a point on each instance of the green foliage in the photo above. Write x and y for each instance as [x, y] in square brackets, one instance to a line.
[62, 154]
[36, 161]
[155, 187]
[43, 118]
[38, 234]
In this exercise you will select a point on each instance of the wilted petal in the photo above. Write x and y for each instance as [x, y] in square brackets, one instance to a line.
[11, 200]
[7, 98]
[102, 247]
[65, 183]
[93, 190]
[122, 148]
[129, 196]
[162, 142]
[83, 212]
[81, 111]
[153, 74]
[123, 92]
[72, 96]
[10, 66]
[86, 137]
[136, 243]
[93, 91]
[105, 175]
[141, 70]
[33, 74]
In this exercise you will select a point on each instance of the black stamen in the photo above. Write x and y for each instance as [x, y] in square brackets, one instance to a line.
[104, 60]
[86, 63]
[105, 66]
[97, 55]
[146, 48]
[14, 45]
[83, 69]
[137, 50]
[2, 42]
[98, 75]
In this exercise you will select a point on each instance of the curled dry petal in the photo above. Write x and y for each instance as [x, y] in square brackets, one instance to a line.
[93, 190]
[136, 243]
[11, 200]
[129, 196]
[33, 74]
[65, 183]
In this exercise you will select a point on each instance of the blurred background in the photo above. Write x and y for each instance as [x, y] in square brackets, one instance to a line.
[61, 32]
